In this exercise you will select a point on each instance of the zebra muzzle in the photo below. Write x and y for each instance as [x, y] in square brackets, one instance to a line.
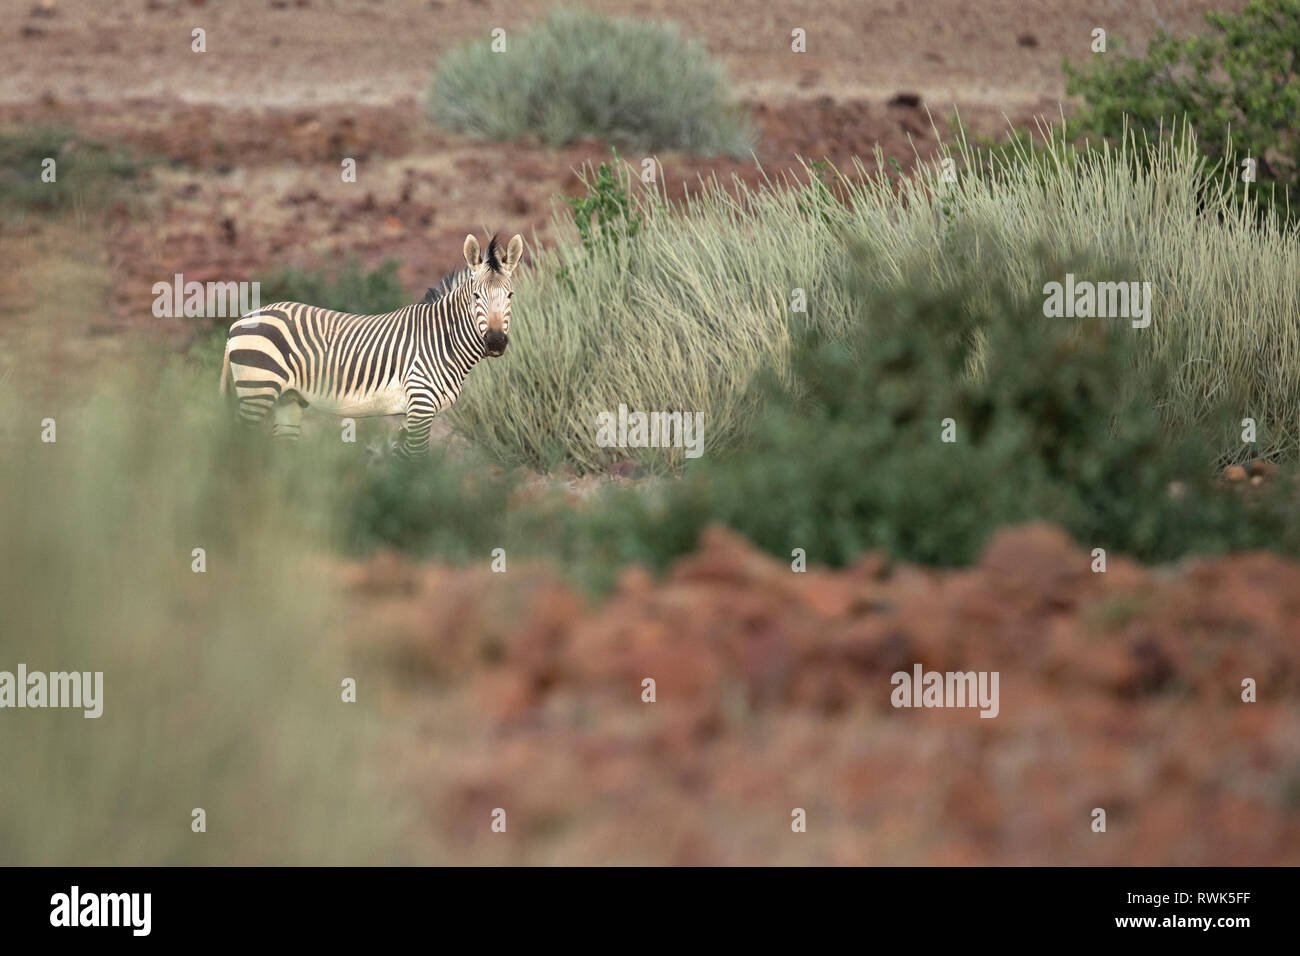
[494, 342]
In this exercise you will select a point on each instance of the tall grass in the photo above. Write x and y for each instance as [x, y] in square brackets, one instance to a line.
[578, 73]
[222, 689]
[682, 315]
[680, 318]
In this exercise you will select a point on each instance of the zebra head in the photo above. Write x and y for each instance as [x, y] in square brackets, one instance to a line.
[491, 287]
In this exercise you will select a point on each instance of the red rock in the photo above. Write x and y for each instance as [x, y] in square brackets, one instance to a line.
[1119, 690]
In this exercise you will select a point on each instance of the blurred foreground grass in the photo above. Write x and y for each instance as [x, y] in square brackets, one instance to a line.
[221, 689]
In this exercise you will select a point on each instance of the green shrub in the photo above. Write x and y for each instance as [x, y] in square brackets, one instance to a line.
[1237, 85]
[1059, 425]
[577, 74]
[606, 215]
[88, 174]
[444, 504]
[352, 289]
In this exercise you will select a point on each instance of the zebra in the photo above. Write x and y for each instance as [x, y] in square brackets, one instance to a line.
[288, 356]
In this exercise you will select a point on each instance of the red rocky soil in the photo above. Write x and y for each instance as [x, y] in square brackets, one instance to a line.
[1120, 690]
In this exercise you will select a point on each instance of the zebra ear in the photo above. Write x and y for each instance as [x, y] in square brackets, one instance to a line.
[471, 251]
[514, 251]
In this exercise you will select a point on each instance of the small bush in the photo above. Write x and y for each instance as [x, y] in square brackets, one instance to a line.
[606, 215]
[441, 505]
[582, 74]
[89, 175]
[352, 289]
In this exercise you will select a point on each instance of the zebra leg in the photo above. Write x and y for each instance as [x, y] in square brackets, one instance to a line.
[255, 402]
[414, 436]
[288, 418]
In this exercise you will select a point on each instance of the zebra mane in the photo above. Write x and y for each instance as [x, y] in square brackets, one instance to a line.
[456, 276]
[445, 285]
[491, 257]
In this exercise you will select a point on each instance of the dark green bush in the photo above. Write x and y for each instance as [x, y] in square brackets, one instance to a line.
[1238, 86]
[440, 505]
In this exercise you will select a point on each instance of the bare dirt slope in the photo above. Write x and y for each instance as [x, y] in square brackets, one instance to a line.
[256, 127]
[309, 52]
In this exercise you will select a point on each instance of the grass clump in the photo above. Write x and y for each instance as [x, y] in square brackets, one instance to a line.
[676, 316]
[578, 73]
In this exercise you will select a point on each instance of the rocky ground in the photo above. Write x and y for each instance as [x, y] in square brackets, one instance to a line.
[290, 53]
[1119, 690]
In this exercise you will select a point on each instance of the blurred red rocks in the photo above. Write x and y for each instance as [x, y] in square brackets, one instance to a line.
[1120, 690]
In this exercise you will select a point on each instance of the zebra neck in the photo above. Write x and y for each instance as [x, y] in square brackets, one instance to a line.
[464, 346]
